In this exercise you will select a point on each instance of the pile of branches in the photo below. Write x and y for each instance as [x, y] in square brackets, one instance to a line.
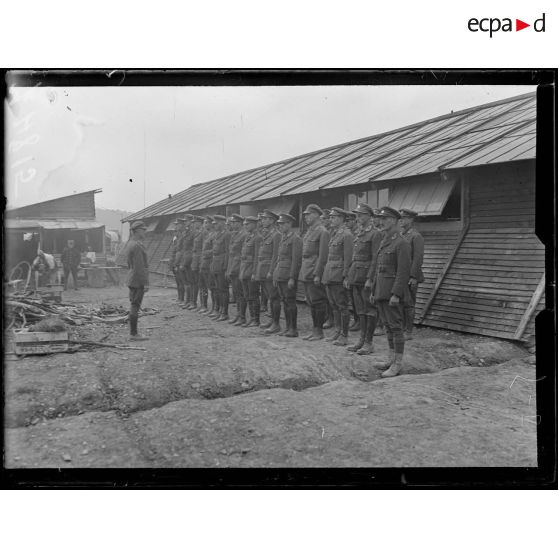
[23, 309]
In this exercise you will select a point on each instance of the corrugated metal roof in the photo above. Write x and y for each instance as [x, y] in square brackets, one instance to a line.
[492, 133]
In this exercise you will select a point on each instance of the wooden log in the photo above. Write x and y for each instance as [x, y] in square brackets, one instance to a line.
[530, 308]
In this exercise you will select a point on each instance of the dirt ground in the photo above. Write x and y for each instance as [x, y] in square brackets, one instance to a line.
[206, 394]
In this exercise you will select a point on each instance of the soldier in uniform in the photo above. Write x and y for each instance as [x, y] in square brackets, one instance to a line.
[390, 286]
[416, 241]
[329, 313]
[233, 268]
[262, 292]
[187, 250]
[339, 260]
[219, 264]
[174, 252]
[314, 256]
[267, 256]
[353, 226]
[138, 276]
[248, 261]
[197, 225]
[377, 224]
[366, 243]
[205, 269]
[286, 270]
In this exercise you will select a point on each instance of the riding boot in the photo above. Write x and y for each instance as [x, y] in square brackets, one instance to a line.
[256, 313]
[395, 368]
[275, 327]
[313, 314]
[341, 341]
[358, 345]
[292, 331]
[356, 324]
[337, 324]
[368, 348]
[287, 320]
[251, 312]
[329, 323]
[241, 313]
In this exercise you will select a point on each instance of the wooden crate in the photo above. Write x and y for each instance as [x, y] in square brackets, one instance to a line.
[40, 342]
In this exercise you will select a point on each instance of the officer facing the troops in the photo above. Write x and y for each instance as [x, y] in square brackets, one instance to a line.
[336, 272]
[248, 260]
[174, 253]
[207, 283]
[138, 276]
[390, 286]
[365, 248]
[233, 268]
[314, 256]
[219, 263]
[197, 225]
[267, 256]
[287, 268]
[416, 240]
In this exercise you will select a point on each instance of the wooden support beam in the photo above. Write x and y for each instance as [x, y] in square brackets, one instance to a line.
[530, 309]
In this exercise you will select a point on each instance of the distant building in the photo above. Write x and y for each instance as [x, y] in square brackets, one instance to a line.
[50, 224]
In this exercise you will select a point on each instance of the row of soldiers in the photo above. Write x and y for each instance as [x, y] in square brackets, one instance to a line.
[368, 260]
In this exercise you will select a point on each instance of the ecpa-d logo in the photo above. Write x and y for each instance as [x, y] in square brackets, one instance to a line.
[493, 25]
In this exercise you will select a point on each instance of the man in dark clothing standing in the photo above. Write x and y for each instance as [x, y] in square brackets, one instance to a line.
[248, 260]
[390, 286]
[138, 276]
[339, 260]
[174, 257]
[366, 243]
[416, 240]
[233, 268]
[219, 264]
[206, 283]
[287, 268]
[197, 225]
[314, 257]
[267, 256]
[70, 258]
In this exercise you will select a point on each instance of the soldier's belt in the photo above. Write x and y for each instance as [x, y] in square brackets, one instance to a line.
[335, 258]
[307, 256]
[264, 260]
[361, 259]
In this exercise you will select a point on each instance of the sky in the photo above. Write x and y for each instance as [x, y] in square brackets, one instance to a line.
[139, 144]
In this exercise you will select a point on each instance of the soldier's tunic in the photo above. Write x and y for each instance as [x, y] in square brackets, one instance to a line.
[365, 249]
[219, 264]
[391, 277]
[287, 266]
[187, 250]
[233, 267]
[174, 268]
[267, 257]
[206, 258]
[248, 264]
[339, 260]
[314, 257]
[179, 260]
[196, 264]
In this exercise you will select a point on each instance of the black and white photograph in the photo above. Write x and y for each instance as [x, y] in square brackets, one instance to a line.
[270, 277]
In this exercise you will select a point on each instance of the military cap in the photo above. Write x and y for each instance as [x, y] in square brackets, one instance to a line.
[219, 218]
[363, 208]
[327, 213]
[250, 219]
[313, 208]
[389, 212]
[376, 212]
[408, 213]
[189, 216]
[175, 222]
[350, 214]
[181, 220]
[338, 212]
[209, 219]
[269, 213]
[138, 225]
[237, 217]
[198, 218]
[286, 218]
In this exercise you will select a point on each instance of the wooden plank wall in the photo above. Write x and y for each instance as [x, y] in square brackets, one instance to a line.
[500, 262]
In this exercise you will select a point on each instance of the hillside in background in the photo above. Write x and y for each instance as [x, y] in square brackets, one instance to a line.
[111, 219]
